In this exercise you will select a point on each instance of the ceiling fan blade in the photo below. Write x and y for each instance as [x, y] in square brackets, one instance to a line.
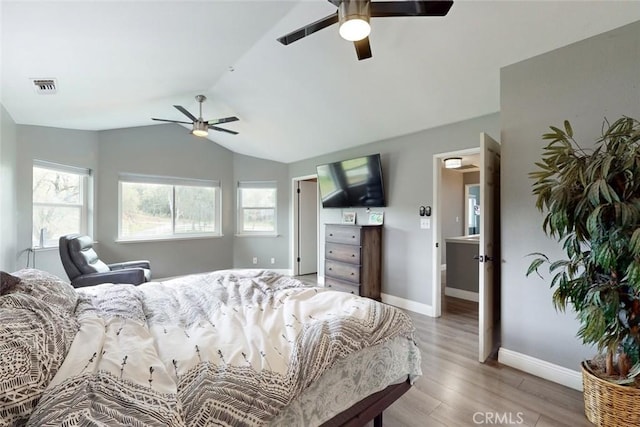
[223, 130]
[172, 121]
[309, 29]
[363, 48]
[185, 112]
[384, 9]
[223, 120]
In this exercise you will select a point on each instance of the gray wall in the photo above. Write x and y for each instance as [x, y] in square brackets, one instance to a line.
[8, 203]
[68, 147]
[452, 206]
[408, 178]
[247, 168]
[584, 82]
[167, 150]
[156, 150]
[470, 178]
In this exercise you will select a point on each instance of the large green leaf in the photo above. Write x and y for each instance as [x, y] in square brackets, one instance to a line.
[567, 128]
[634, 243]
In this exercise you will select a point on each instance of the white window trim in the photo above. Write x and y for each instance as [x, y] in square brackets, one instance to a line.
[173, 181]
[86, 196]
[240, 209]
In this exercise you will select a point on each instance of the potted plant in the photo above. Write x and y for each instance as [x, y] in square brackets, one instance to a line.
[591, 200]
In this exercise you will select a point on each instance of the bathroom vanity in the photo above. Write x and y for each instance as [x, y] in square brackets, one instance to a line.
[462, 265]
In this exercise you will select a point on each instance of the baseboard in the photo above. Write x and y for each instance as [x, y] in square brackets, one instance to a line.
[416, 307]
[462, 294]
[541, 368]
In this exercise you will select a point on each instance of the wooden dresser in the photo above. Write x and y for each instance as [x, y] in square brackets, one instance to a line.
[353, 258]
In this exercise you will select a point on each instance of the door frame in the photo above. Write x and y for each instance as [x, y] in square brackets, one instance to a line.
[436, 236]
[293, 243]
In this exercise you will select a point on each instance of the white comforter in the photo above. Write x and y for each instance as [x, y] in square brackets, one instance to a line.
[225, 348]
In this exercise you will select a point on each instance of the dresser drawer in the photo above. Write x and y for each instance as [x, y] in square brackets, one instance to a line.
[342, 271]
[344, 253]
[337, 285]
[337, 234]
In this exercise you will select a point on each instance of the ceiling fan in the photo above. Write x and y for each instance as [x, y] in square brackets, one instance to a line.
[354, 15]
[201, 127]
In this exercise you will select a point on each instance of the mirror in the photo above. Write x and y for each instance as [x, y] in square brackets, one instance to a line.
[472, 209]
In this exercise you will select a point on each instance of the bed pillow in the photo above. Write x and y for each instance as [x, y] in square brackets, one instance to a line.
[34, 340]
[48, 287]
[7, 282]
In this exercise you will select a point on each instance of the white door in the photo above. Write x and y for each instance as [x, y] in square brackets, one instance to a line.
[489, 256]
[308, 227]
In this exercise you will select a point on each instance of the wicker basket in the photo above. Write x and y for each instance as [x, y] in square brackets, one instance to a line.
[607, 404]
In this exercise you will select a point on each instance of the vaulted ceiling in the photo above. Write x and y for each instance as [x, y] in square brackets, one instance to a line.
[119, 63]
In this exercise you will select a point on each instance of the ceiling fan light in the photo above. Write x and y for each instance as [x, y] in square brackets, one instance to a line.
[355, 29]
[200, 129]
[354, 20]
[453, 162]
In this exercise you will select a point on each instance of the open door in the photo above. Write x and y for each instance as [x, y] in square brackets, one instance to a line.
[307, 197]
[489, 249]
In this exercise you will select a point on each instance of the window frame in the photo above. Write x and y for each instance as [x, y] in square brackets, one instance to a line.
[271, 185]
[85, 203]
[173, 182]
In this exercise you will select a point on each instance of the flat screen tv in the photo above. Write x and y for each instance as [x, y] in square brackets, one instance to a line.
[352, 183]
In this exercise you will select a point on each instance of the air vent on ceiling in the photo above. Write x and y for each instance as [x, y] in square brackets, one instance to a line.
[45, 86]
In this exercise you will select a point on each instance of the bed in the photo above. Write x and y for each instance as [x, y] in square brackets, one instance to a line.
[229, 348]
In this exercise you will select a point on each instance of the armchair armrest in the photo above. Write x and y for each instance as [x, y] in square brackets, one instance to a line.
[134, 276]
[130, 264]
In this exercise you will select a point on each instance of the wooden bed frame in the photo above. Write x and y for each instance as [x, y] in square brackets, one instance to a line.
[369, 408]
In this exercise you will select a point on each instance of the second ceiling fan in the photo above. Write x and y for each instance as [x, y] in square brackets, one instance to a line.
[354, 15]
[201, 127]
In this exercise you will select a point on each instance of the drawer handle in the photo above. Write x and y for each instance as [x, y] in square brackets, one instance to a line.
[353, 255]
[331, 234]
[330, 268]
[351, 291]
[330, 252]
[351, 273]
[353, 237]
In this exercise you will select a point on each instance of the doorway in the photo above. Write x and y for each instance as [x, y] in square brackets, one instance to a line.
[304, 236]
[486, 258]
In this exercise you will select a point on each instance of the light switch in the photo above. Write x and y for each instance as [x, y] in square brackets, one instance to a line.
[425, 222]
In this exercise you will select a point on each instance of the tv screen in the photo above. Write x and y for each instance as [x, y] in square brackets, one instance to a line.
[352, 183]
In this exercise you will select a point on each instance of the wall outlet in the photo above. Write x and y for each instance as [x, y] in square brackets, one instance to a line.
[273, 260]
[255, 259]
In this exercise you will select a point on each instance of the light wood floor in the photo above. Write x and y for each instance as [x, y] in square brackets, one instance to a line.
[456, 390]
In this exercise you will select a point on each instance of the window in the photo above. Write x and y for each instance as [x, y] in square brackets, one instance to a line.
[60, 202]
[163, 207]
[257, 207]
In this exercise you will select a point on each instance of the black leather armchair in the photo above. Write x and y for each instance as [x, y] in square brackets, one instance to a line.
[84, 268]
